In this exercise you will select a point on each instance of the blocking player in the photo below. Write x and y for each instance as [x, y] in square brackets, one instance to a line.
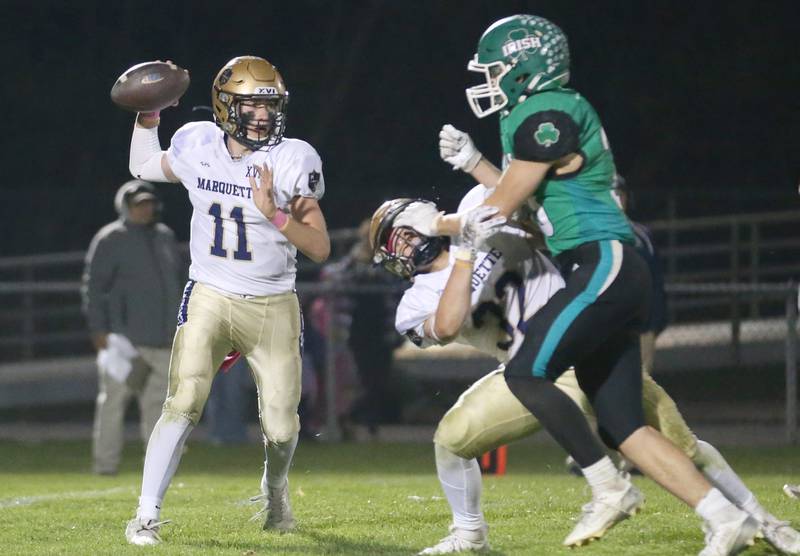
[482, 298]
[255, 198]
[481, 303]
[558, 157]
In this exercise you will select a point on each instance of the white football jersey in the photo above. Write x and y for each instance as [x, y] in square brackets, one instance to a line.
[234, 248]
[510, 282]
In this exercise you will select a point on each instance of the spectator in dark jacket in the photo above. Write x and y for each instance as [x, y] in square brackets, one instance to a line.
[132, 285]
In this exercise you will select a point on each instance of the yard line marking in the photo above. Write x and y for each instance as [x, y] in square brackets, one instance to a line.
[19, 501]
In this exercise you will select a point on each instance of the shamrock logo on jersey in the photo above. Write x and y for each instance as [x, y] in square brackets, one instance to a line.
[546, 134]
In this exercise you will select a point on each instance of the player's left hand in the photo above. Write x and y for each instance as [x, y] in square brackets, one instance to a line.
[479, 224]
[263, 192]
[457, 148]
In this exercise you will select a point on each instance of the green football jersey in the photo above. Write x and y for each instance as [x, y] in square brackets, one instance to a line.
[578, 207]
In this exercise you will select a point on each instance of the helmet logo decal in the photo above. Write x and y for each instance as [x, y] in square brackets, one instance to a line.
[546, 134]
[265, 91]
[226, 76]
[519, 42]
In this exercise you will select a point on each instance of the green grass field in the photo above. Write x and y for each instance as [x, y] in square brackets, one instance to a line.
[348, 498]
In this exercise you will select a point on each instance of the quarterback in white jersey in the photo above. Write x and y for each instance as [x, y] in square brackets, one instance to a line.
[255, 197]
[228, 231]
[498, 284]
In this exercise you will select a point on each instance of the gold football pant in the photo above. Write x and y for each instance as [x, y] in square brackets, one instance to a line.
[647, 343]
[488, 415]
[266, 330]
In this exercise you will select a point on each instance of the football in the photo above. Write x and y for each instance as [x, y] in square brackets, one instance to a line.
[150, 86]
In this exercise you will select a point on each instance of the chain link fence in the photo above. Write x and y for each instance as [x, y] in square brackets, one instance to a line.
[728, 355]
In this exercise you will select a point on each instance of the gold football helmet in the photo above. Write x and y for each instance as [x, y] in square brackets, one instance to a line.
[250, 78]
[401, 250]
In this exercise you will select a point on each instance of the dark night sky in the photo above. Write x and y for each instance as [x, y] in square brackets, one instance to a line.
[699, 99]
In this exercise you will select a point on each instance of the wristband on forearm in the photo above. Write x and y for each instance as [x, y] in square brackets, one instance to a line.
[280, 220]
[464, 254]
[153, 115]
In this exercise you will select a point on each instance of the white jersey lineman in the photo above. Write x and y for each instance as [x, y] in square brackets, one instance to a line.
[234, 248]
[510, 282]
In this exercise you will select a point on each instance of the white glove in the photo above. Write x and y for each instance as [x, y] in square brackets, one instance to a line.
[457, 148]
[478, 225]
[420, 216]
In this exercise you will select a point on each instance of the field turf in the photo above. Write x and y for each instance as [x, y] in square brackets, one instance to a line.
[348, 499]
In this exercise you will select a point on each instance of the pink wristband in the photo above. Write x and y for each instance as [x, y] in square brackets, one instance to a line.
[279, 220]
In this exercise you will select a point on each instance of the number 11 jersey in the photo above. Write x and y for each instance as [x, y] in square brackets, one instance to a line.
[233, 247]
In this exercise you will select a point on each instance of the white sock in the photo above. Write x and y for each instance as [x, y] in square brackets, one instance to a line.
[711, 463]
[603, 476]
[164, 451]
[461, 481]
[277, 459]
[714, 508]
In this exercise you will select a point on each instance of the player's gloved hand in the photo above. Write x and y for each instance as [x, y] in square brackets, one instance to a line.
[478, 225]
[420, 216]
[457, 148]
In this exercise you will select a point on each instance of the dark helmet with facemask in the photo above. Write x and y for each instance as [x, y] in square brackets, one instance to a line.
[402, 250]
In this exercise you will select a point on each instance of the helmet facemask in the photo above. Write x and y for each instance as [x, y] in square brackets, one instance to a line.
[492, 72]
[406, 252]
[239, 124]
[402, 250]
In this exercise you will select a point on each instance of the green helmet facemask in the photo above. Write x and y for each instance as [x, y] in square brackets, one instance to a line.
[518, 56]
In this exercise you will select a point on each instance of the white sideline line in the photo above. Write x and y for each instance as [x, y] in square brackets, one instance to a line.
[28, 500]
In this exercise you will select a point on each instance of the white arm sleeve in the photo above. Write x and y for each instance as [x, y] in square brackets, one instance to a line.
[146, 153]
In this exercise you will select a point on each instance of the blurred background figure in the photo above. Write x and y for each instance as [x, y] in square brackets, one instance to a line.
[363, 338]
[372, 338]
[132, 283]
[646, 247]
[329, 318]
[314, 357]
[228, 407]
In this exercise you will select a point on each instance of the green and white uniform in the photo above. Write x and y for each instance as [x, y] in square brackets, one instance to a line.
[577, 207]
